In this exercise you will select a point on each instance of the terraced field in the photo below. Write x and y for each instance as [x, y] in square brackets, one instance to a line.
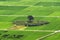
[46, 10]
[53, 37]
[27, 35]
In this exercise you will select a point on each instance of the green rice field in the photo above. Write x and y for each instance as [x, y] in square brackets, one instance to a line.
[42, 10]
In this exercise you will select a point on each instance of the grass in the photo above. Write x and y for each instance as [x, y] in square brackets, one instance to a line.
[27, 35]
[26, 10]
[5, 25]
[12, 7]
[53, 37]
[53, 25]
[48, 4]
[30, 7]
[6, 19]
[24, 2]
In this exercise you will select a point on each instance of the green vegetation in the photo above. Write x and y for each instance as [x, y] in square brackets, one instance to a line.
[27, 35]
[11, 10]
[48, 4]
[53, 37]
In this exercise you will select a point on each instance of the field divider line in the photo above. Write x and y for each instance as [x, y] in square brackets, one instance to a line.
[5, 22]
[25, 5]
[32, 30]
[27, 15]
[48, 35]
[35, 30]
[14, 15]
[40, 30]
